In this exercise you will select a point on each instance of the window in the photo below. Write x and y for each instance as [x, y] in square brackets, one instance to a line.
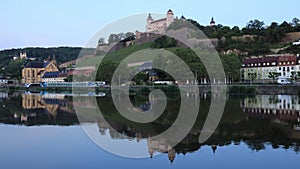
[268, 64]
[258, 64]
[283, 68]
[265, 63]
[288, 69]
[279, 68]
[292, 68]
[279, 63]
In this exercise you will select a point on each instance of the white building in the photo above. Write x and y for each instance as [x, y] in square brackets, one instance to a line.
[259, 68]
[159, 26]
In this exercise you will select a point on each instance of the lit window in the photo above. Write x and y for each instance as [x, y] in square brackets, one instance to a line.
[264, 64]
[268, 64]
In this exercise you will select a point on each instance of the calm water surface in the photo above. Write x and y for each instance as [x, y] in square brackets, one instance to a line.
[41, 130]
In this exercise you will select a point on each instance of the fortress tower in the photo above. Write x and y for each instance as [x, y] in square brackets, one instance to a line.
[170, 17]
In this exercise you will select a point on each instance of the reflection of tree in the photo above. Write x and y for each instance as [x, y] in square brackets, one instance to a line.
[234, 128]
[256, 145]
[274, 100]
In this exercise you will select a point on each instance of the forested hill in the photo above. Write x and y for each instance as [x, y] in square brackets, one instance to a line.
[12, 68]
[62, 54]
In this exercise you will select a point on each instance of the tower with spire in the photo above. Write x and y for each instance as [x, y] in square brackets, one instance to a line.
[212, 22]
[170, 17]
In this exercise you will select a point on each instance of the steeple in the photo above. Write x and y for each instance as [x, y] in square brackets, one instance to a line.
[149, 17]
[170, 17]
[170, 12]
[212, 22]
[53, 59]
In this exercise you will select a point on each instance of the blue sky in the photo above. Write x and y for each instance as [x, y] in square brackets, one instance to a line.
[34, 23]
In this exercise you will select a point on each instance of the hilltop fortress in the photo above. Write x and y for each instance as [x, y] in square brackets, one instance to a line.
[159, 26]
[154, 29]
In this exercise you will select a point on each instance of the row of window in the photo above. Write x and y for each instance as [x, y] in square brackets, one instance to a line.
[287, 63]
[270, 63]
[28, 73]
[279, 68]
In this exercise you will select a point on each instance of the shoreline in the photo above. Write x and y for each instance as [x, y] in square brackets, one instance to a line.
[234, 89]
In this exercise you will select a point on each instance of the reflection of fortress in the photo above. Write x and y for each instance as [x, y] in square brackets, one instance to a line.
[282, 107]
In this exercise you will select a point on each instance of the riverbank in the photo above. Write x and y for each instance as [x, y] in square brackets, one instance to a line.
[236, 89]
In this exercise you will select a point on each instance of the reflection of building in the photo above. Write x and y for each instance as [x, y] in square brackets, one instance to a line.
[36, 102]
[48, 104]
[282, 107]
[159, 26]
[159, 146]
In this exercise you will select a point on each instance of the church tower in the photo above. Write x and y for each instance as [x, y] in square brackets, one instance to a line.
[212, 22]
[170, 17]
[149, 20]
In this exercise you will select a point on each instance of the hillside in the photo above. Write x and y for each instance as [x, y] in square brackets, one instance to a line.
[12, 68]
[117, 56]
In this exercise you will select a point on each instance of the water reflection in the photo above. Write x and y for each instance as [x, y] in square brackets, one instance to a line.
[256, 121]
[280, 108]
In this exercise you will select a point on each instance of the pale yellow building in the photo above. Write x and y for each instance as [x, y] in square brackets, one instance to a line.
[34, 71]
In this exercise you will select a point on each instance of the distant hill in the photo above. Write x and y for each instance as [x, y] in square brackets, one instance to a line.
[62, 54]
[12, 68]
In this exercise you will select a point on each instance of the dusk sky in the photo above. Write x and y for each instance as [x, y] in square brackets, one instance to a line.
[33, 23]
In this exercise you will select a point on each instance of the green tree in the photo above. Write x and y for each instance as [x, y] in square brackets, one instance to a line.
[164, 42]
[295, 22]
[14, 69]
[295, 75]
[252, 76]
[273, 75]
[141, 78]
[275, 33]
[232, 65]
[105, 71]
[101, 41]
[129, 34]
[113, 38]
